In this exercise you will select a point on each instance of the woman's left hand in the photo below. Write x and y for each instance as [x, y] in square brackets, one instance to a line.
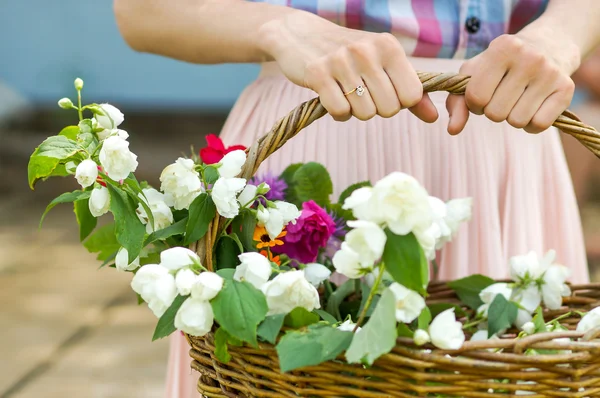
[516, 79]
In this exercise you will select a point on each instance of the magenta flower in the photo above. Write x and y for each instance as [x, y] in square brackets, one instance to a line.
[310, 233]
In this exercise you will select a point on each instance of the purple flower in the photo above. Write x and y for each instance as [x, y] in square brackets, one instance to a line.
[276, 183]
[340, 226]
[310, 233]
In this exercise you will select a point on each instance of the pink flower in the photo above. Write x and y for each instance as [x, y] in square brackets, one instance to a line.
[310, 233]
[215, 150]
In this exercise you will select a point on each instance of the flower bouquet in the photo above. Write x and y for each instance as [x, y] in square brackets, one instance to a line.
[283, 290]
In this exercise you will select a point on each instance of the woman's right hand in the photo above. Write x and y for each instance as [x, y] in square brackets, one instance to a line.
[332, 60]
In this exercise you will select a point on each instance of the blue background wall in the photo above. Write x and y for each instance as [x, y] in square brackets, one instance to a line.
[45, 44]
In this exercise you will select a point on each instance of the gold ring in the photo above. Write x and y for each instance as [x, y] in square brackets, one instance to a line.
[360, 90]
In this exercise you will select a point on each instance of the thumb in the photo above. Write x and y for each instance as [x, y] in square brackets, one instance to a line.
[458, 113]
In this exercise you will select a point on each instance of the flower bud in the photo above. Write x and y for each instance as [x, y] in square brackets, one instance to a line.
[263, 188]
[86, 173]
[421, 337]
[71, 167]
[65, 103]
[528, 328]
[78, 84]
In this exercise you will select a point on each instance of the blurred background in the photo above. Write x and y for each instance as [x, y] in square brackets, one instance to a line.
[68, 329]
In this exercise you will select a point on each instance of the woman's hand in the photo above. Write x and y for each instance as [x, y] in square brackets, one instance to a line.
[519, 78]
[332, 60]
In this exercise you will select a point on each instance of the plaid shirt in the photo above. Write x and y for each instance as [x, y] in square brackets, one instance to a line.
[429, 28]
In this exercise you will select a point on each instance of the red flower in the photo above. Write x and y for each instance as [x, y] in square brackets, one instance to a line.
[215, 150]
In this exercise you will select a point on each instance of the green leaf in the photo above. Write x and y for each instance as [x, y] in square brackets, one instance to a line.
[378, 336]
[88, 141]
[468, 289]
[65, 198]
[104, 242]
[166, 323]
[221, 339]
[71, 132]
[226, 253]
[85, 126]
[424, 319]
[318, 344]
[58, 147]
[312, 182]
[288, 173]
[539, 321]
[404, 331]
[336, 298]
[202, 212]
[405, 262]
[326, 316]
[501, 314]
[348, 191]
[438, 308]
[175, 229]
[270, 327]
[87, 222]
[300, 317]
[239, 308]
[40, 167]
[129, 230]
[226, 273]
[243, 226]
[211, 175]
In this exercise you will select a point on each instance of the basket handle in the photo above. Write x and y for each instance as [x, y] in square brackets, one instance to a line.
[311, 110]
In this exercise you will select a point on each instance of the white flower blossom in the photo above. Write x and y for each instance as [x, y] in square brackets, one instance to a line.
[289, 290]
[180, 183]
[316, 273]
[347, 262]
[184, 280]
[163, 217]
[231, 164]
[488, 295]
[275, 218]
[358, 202]
[116, 159]
[178, 257]
[530, 265]
[224, 194]
[122, 261]
[554, 287]
[99, 202]
[458, 211]
[246, 197]
[156, 286]
[590, 321]
[86, 173]
[254, 268]
[446, 332]
[421, 337]
[112, 117]
[367, 239]
[195, 317]
[207, 286]
[348, 326]
[409, 304]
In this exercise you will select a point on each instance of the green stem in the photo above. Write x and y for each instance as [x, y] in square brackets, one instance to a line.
[372, 293]
[474, 323]
[560, 318]
[79, 110]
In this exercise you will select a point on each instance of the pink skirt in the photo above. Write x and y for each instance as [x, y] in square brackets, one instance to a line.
[522, 192]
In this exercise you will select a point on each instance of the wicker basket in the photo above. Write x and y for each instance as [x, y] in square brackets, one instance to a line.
[561, 369]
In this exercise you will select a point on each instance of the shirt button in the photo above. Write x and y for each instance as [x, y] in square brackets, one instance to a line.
[473, 24]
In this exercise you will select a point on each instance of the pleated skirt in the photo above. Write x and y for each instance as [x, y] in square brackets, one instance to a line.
[522, 192]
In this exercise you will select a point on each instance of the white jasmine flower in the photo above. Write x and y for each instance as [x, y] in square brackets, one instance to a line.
[358, 202]
[274, 219]
[530, 265]
[421, 337]
[116, 159]
[367, 239]
[178, 257]
[399, 201]
[488, 295]
[180, 183]
[163, 217]
[86, 173]
[347, 262]
[446, 332]
[156, 286]
[409, 304]
[554, 287]
[247, 196]
[316, 273]
[104, 134]
[112, 117]
[348, 326]
[289, 212]
[122, 261]
[184, 280]
[224, 194]
[254, 269]
[590, 321]
[207, 286]
[195, 317]
[99, 202]
[289, 290]
[458, 211]
[231, 164]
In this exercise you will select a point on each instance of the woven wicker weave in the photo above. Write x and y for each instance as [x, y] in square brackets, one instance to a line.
[560, 369]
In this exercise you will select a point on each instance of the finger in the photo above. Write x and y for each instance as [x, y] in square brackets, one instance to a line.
[507, 95]
[331, 96]
[458, 113]
[425, 110]
[344, 69]
[382, 91]
[547, 114]
[409, 88]
[529, 103]
[485, 77]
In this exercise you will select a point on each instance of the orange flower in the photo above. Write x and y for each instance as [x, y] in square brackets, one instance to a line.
[269, 255]
[264, 240]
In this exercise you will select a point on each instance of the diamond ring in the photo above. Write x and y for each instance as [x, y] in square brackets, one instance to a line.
[360, 90]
